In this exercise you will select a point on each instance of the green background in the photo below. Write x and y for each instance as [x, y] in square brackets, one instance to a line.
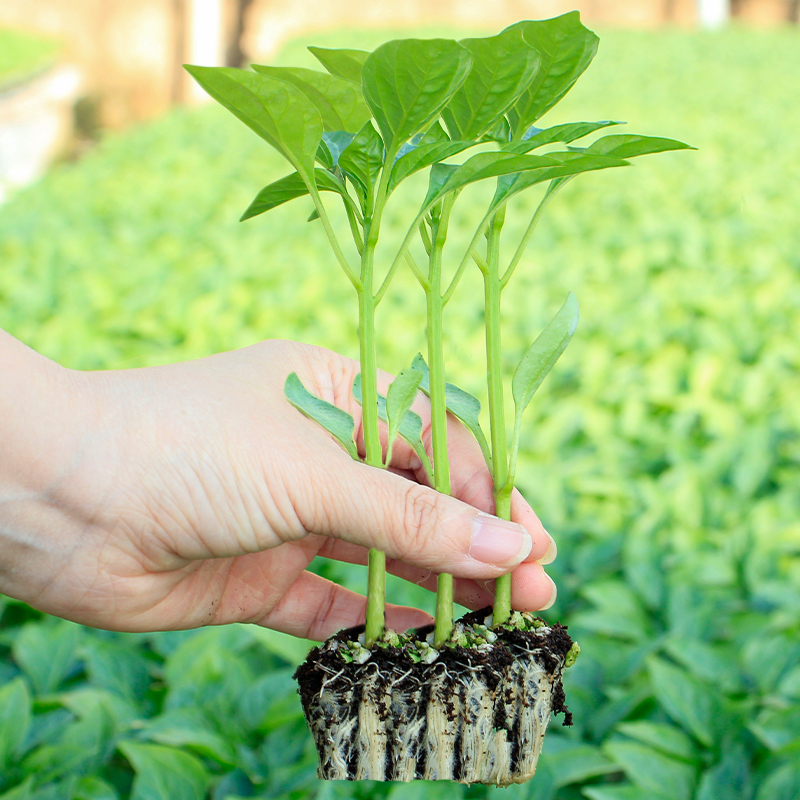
[662, 452]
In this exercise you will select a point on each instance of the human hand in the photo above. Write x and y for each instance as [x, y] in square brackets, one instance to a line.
[194, 494]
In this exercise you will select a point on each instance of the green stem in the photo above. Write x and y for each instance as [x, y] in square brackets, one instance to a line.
[441, 464]
[494, 374]
[376, 576]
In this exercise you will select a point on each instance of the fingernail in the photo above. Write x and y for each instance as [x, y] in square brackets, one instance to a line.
[553, 594]
[550, 554]
[496, 541]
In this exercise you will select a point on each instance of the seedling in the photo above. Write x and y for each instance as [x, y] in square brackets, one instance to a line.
[357, 131]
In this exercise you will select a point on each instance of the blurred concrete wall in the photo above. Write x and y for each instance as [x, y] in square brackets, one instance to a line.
[129, 52]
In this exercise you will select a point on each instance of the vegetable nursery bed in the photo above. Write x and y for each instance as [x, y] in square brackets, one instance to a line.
[473, 711]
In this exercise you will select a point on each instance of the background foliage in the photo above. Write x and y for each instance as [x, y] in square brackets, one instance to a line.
[663, 451]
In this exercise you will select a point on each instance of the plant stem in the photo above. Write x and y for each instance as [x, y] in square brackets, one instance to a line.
[494, 375]
[376, 576]
[441, 464]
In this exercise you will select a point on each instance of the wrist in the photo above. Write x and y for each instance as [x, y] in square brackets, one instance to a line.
[40, 425]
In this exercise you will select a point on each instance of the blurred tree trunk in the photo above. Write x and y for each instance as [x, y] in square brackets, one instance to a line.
[179, 25]
[794, 11]
[235, 56]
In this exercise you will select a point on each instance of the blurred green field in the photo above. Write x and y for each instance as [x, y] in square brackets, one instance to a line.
[662, 452]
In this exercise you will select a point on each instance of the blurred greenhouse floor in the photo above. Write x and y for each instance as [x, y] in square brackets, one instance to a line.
[663, 453]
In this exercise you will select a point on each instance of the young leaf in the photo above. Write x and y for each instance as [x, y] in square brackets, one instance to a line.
[343, 63]
[336, 421]
[566, 165]
[460, 404]
[362, 159]
[410, 427]
[502, 66]
[288, 188]
[399, 398]
[407, 82]
[422, 156]
[277, 111]
[331, 147]
[569, 132]
[543, 354]
[566, 48]
[340, 103]
[629, 145]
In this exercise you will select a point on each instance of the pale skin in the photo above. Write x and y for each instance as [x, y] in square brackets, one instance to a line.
[193, 494]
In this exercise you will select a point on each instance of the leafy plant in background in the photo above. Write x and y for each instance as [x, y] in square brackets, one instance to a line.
[370, 122]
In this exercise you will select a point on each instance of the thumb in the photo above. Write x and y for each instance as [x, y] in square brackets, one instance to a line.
[410, 522]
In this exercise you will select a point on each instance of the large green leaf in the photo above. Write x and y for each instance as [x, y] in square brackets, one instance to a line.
[24, 791]
[164, 773]
[665, 738]
[683, 698]
[340, 102]
[410, 426]
[399, 398]
[46, 652]
[460, 404]
[343, 63]
[729, 779]
[407, 82]
[277, 111]
[542, 355]
[566, 48]
[336, 421]
[290, 187]
[629, 145]
[93, 788]
[502, 66]
[651, 770]
[15, 719]
[566, 133]
[362, 159]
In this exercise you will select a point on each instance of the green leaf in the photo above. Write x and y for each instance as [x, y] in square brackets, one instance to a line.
[576, 763]
[331, 147]
[115, 666]
[543, 354]
[423, 156]
[336, 421]
[277, 111]
[46, 652]
[460, 404]
[683, 698]
[630, 145]
[93, 788]
[24, 791]
[407, 82]
[783, 784]
[343, 63]
[290, 187]
[667, 739]
[566, 48]
[362, 159]
[164, 773]
[623, 792]
[566, 133]
[777, 727]
[651, 770]
[339, 101]
[189, 728]
[566, 166]
[410, 426]
[729, 779]
[15, 720]
[502, 66]
[401, 394]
